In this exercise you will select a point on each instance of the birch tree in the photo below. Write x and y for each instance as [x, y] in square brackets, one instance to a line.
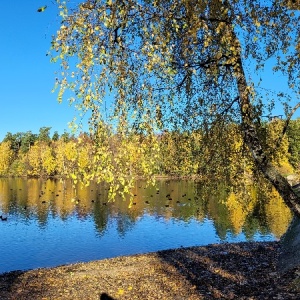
[143, 66]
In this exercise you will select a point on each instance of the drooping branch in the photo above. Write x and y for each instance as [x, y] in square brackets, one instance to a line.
[167, 45]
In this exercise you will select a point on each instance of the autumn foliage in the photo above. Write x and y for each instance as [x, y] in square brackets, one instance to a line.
[177, 154]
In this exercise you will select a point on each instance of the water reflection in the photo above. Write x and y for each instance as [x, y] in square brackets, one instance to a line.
[51, 214]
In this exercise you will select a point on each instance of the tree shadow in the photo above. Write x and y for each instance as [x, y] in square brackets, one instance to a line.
[223, 271]
[7, 283]
[226, 271]
[105, 296]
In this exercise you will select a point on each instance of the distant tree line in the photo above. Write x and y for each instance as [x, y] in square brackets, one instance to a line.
[180, 153]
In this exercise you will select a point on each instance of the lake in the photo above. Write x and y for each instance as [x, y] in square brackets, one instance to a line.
[50, 223]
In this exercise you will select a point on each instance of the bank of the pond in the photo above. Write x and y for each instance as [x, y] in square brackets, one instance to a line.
[223, 271]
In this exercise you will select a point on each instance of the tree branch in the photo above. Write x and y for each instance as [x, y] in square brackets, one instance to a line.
[286, 125]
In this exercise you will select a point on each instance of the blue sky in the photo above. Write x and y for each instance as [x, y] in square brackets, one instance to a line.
[27, 76]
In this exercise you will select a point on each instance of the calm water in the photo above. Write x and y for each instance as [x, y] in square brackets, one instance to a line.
[49, 223]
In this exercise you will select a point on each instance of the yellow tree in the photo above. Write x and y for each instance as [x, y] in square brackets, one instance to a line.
[40, 160]
[48, 160]
[84, 149]
[169, 153]
[34, 160]
[59, 153]
[71, 157]
[279, 155]
[240, 165]
[293, 134]
[6, 157]
[181, 64]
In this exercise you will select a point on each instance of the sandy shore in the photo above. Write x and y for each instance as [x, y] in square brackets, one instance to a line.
[226, 271]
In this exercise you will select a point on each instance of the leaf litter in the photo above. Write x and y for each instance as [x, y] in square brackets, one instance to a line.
[220, 271]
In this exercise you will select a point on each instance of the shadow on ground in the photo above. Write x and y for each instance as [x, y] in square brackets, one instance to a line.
[104, 296]
[8, 281]
[226, 271]
[229, 271]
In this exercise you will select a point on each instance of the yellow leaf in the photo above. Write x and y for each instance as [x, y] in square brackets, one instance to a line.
[120, 292]
[42, 8]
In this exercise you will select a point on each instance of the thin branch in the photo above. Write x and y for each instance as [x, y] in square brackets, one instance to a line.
[230, 105]
[286, 125]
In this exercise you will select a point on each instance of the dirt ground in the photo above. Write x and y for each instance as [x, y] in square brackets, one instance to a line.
[223, 271]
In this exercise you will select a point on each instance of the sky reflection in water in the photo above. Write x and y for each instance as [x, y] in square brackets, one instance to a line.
[50, 224]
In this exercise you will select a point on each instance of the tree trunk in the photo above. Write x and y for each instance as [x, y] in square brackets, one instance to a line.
[290, 255]
[289, 258]
[251, 139]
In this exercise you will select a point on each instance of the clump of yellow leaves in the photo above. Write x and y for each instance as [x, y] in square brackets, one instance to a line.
[121, 292]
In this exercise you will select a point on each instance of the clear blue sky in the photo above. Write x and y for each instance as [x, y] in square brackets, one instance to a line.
[26, 74]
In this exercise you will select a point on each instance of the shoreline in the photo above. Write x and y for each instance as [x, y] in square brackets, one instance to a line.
[246, 270]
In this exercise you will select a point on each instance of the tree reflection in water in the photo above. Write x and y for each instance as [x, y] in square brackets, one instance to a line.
[174, 213]
[248, 212]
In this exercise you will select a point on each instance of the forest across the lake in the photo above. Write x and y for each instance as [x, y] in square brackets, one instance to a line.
[181, 153]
